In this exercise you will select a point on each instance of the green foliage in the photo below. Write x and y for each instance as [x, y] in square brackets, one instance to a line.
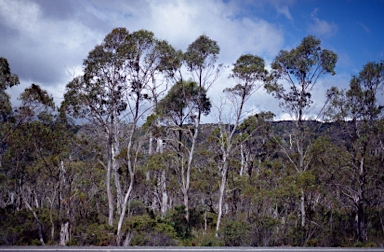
[334, 170]
[180, 99]
[236, 233]
[146, 231]
[206, 239]
[19, 228]
[7, 79]
[94, 234]
[201, 54]
[247, 70]
[177, 220]
[299, 68]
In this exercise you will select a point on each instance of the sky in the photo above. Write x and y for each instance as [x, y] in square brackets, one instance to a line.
[46, 41]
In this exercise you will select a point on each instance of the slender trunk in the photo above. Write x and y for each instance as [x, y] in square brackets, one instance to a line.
[131, 170]
[37, 220]
[150, 142]
[205, 221]
[164, 196]
[300, 149]
[381, 220]
[125, 203]
[119, 194]
[360, 204]
[109, 191]
[242, 169]
[51, 216]
[190, 159]
[147, 175]
[222, 191]
[302, 208]
[163, 182]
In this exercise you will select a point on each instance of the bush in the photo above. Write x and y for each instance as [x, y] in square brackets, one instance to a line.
[206, 239]
[236, 233]
[177, 220]
[146, 231]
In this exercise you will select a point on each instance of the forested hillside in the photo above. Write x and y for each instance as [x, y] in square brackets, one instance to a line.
[126, 158]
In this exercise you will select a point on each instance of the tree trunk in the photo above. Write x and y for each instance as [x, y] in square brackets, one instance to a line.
[131, 170]
[190, 159]
[51, 216]
[164, 196]
[360, 205]
[302, 208]
[222, 191]
[362, 230]
[64, 234]
[115, 162]
[122, 215]
[109, 191]
[163, 181]
[127, 239]
[381, 220]
[37, 220]
[242, 169]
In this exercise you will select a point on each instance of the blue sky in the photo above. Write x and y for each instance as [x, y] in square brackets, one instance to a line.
[46, 41]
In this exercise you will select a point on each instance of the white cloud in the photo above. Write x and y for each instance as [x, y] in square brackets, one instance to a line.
[322, 27]
[285, 11]
[44, 48]
[364, 27]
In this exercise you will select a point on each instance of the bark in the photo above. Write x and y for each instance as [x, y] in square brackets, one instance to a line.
[119, 194]
[163, 182]
[190, 159]
[131, 170]
[109, 190]
[222, 191]
[51, 215]
[164, 196]
[362, 234]
[226, 151]
[37, 220]
[127, 239]
[362, 230]
[381, 220]
[243, 168]
[122, 215]
[64, 234]
[302, 208]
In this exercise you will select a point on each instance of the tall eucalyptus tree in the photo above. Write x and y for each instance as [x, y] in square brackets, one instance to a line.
[248, 72]
[97, 98]
[291, 80]
[8, 121]
[113, 90]
[200, 60]
[359, 112]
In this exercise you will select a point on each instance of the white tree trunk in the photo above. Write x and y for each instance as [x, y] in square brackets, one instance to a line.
[302, 208]
[222, 191]
[64, 234]
[37, 220]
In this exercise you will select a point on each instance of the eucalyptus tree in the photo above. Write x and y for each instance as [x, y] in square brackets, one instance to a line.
[97, 97]
[8, 121]
[112, 90]
[148, 58]
[291, 80]
[359, 112]
[200, 60]
[22, 158]
[174, 111]
[248, 72]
